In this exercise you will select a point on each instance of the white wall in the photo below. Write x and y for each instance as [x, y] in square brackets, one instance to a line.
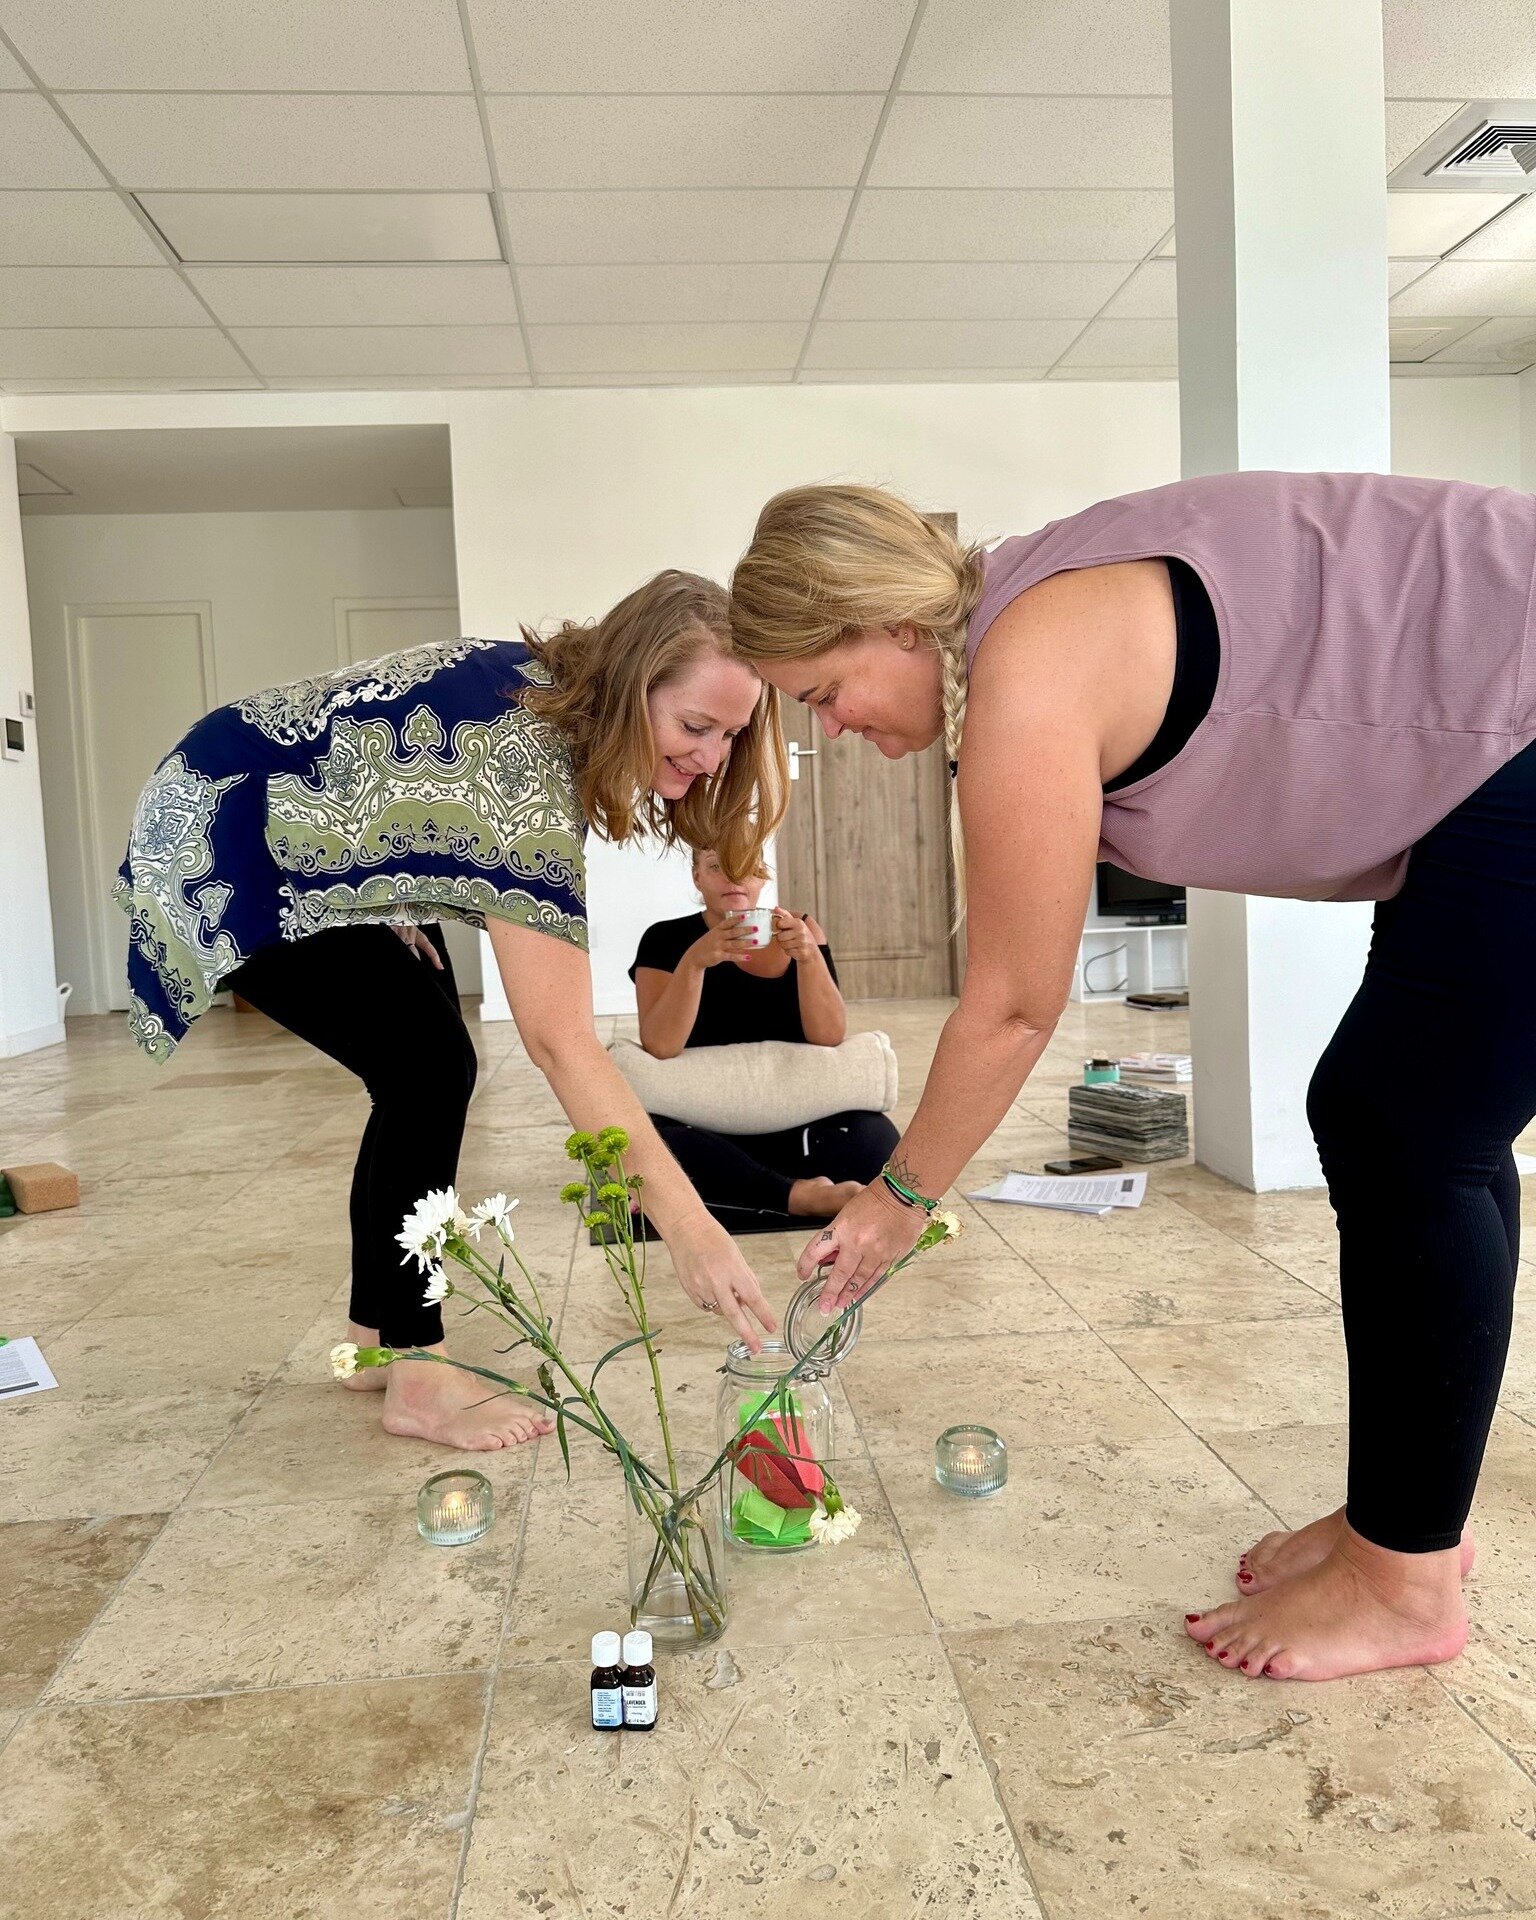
[1461, 430]
[29, 1006]
[271, 579]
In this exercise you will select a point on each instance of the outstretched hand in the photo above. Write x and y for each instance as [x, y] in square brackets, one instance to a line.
[717, 1279]
[874, 1229]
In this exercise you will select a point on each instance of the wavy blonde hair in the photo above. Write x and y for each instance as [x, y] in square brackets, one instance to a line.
[827, 562]
[602, 674]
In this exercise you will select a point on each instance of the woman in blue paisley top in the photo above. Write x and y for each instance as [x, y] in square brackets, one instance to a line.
[300, 845]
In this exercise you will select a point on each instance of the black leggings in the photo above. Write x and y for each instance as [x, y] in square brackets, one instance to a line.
[360, 995]
[744, 1178]
[1414, 1105]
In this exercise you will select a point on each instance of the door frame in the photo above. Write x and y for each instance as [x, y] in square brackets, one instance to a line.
[87, 808]
[390, 603]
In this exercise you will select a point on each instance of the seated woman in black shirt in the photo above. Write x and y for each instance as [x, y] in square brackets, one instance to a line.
[700, 985]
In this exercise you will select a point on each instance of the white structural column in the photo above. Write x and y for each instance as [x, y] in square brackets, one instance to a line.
[1280, 202]
[29, 998]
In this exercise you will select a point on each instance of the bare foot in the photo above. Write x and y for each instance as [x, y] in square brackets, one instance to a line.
[1360, 1610]
[819, 1198]
[1281, 1556]
[426, 1401]
[366, 1379]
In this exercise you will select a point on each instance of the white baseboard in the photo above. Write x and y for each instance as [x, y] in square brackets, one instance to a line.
[14, 1043]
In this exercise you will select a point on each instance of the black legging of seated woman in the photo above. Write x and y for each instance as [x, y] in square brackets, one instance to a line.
[1415, 1105]
[363, 997]
[744, 1178]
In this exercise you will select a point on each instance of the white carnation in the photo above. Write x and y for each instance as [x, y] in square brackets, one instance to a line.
[344, 1360]
[831, 1529]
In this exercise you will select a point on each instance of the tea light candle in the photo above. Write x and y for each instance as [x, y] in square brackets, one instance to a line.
[970, 1460]
[454, 1508]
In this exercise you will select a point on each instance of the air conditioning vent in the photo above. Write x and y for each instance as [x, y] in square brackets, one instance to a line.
[1489, 144]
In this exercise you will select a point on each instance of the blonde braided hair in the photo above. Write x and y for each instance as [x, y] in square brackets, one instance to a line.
[827, 562]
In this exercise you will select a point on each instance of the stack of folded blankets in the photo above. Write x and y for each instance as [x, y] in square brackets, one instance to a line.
[1133, 1123]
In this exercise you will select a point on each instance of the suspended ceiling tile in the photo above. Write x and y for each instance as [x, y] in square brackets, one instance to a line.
[414, 352]
[1419, 224]
[357, 296]
[791, 224]
[966, 141]
[255, 45]
[1512, 236]
[1045, 46]
[317, 227]
[969, 290]
[919, 376]
[1507, 344]
[675, 377]
[1088, 372]
[705, 345]
[1495, 288]
[272, 140]
[1411, 122]
[719, 140]
[13, 77]
[1126, 343]
[142, 383]
[1403, 273]
[393, 382]
[38, 150]
[41, 229]
[671, 291]
[1151, 293]
[82, 353]
[1449, 370]
[97, 297]
[977, 225]
[939, 343]
[716, 46]
[1462, 48]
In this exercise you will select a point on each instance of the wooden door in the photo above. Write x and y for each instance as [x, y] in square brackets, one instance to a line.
[865, 848]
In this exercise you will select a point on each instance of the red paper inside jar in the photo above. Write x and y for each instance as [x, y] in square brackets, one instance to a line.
[780, 1467]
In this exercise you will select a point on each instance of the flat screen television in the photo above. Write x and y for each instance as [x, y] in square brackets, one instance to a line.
[1123, 895]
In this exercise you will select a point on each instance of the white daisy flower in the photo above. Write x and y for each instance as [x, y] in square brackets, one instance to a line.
[493, 1212]
[438, 1287]
[344, 1360]
[425, 1230]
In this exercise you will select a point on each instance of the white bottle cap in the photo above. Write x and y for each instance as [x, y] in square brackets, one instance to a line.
[605, 1649]
[637, 1649]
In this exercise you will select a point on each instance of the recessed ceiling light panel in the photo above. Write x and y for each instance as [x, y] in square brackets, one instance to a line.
[208, 229]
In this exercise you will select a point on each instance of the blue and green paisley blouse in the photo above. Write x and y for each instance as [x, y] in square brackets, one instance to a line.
[413, 788]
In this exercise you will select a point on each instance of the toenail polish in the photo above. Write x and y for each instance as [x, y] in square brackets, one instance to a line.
[1244, 1578]
[1269, 1670]
[1190, 1619]
[1209, 1644]
[1244, 1665]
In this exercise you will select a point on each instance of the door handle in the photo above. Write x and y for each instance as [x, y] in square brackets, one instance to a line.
[797, 753]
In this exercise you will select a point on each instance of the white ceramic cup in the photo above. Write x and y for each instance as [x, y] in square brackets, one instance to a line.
[758, 921]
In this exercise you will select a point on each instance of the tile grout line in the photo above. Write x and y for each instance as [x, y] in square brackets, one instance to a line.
[493, 1676]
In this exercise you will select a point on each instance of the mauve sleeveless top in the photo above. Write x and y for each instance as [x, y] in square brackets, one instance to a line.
[1375, 669]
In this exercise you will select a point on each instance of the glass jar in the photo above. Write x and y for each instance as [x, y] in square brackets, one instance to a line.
[677, 1586]
[780, 1440]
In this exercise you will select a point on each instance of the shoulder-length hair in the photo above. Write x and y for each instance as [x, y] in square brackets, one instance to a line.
[602, 674]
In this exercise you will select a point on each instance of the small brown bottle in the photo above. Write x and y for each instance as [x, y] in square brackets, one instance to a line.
[607, 1682]
[639, 1683]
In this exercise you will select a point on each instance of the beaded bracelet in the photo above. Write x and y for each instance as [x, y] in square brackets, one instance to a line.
[905, 1193]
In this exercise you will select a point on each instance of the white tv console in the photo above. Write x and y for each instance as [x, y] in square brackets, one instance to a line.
[1115, 958]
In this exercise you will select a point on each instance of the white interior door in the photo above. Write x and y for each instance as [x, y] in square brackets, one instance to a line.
[142, 675]
[367, 630]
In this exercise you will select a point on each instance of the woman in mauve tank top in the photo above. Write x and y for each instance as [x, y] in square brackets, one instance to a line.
[1315, 686]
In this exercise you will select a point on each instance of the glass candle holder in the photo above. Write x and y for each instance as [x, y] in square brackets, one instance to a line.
[970, 1460]
[454, 1508]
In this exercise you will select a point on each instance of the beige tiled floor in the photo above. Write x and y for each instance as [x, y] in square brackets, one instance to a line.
[233, 1682]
